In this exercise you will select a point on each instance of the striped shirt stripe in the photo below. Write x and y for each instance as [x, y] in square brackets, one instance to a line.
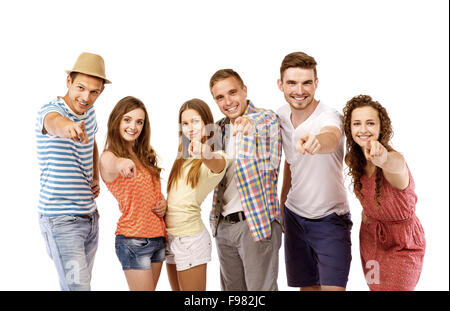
[66, 166]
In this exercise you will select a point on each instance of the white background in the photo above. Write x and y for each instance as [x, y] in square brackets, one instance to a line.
[164, 53]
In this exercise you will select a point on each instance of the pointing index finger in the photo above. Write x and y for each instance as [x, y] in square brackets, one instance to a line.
[366, 151]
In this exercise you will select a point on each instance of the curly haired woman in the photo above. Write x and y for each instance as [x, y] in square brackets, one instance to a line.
[392, 240]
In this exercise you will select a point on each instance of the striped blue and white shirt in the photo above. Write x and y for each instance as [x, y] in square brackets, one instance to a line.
[66, 166]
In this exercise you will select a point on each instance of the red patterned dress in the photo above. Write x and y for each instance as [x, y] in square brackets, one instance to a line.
[392, 240]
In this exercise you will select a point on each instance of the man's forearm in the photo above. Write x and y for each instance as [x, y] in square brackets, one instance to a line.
[286, 183]
[60, 126]
[55, 124]
[328, 140]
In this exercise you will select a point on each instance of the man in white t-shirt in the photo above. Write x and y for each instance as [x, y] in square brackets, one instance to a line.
[313, 198]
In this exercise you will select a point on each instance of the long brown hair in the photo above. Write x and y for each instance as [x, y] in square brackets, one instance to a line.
[141, 146]
[194, 173]
[354, 158]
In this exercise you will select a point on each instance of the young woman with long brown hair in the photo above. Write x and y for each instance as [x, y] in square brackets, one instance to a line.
[392, 240]
[129, 168]
[195, 173]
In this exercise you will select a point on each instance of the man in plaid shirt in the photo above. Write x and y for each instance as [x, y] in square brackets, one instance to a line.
[245, 218]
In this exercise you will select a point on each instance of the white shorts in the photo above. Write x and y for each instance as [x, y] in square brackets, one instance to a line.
[189, 251]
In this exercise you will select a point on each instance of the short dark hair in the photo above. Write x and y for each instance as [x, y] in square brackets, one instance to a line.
[300, 60]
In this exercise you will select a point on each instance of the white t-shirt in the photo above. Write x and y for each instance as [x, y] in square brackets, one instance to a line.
[317, 185]
[231, 198]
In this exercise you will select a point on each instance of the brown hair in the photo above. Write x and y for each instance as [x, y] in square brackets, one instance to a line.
[298, 59]
[194, 173]
[74, 74]
[141, 146]
[354, 158]
[224, 74]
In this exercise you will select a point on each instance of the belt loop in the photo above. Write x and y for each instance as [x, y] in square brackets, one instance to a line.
[240, 216]
[381, 232]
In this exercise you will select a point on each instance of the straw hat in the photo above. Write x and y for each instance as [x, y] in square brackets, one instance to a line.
[90, 64]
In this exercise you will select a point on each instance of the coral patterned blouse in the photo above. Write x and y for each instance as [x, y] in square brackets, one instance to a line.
[136, 197]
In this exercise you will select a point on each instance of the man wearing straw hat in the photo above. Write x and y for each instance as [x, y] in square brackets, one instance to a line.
[67, 155]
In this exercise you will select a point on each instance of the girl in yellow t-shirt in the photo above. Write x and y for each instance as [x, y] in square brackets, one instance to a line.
[129, 169]
[195, 173]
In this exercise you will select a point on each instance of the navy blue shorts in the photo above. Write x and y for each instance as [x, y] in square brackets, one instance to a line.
[317, 251]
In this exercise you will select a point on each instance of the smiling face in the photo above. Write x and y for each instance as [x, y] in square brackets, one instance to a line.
[299, 86]
[131, 125]
[231, 97]
[82, 92]
[365, 125]
[192, 125]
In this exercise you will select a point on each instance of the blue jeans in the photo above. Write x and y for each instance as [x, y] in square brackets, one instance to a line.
[71, 244]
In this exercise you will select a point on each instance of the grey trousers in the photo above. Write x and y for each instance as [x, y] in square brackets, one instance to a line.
[244, 263]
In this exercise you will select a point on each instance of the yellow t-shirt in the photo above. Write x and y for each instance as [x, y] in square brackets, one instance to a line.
[183, 215]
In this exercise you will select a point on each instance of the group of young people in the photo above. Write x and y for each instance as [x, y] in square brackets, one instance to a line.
[237, 157]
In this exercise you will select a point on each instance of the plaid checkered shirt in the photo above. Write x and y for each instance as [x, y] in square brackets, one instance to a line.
[258, 157]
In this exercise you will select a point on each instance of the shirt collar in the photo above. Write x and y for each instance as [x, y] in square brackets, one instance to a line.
[250, 109]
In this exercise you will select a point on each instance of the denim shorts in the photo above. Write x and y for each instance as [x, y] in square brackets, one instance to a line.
[317, 251]
[139, 253]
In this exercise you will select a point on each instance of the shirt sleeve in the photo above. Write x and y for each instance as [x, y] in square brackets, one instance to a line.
[45, 110]
[330, 118]
[93, 116]
[269, 139]
[210, 179]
